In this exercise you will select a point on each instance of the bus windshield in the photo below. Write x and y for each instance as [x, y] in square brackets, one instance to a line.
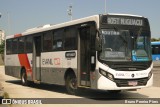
[141, 46]
[123, 45]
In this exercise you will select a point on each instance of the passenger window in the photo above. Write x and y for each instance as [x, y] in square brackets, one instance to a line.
[15, 46]
[155, 49]
[47, 41]
[29, 44]
[58, 40]
[21, 45]
[9, 46]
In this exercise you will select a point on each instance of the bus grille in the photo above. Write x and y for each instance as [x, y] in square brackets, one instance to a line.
[124, 82]
[130, 67]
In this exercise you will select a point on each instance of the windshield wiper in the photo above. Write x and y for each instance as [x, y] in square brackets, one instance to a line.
[124, 40]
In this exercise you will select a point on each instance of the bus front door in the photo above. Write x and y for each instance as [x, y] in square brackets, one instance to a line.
[84, 57]
[37, 59]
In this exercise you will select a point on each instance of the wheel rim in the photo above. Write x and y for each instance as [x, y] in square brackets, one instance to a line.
[23, 78]
[73, 84]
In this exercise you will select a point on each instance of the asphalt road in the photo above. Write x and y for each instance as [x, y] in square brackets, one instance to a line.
[14, 89]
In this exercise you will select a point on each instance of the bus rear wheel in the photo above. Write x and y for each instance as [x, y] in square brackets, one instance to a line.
[71, 84]
[24, 78]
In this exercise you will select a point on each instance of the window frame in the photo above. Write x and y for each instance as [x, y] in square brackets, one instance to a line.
[21, 49]
[14, 48]
[154, 50]
[8, 46]
[28, 48]
[49, 34]
[61, 38]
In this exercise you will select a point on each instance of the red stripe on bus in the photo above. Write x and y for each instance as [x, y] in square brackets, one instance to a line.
[23, 59]
[17, 35]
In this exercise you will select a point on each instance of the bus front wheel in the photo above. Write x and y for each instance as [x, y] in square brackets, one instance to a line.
[71, 84]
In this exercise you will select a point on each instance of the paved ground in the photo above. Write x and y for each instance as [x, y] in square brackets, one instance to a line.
[156, 79]
[14, 89]
[156, 71]
[156, 63]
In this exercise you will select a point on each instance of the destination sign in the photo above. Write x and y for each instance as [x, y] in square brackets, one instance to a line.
[124, 21]
[70, 54]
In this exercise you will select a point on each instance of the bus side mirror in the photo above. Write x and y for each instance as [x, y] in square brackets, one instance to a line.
[98, 44]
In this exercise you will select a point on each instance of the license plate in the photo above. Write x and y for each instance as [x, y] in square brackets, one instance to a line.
[132, 83]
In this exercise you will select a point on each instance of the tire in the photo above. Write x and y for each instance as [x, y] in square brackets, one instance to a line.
[24, 78]
[71, 84]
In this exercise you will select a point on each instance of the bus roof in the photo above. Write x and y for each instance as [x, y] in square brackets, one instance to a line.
[61, 25]
[155, 43]
[120, 14]
[69, 23]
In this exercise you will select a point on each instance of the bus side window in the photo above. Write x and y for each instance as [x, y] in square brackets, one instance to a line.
[70, 42]
[47, 41]
[8, 46]
[155, 49]
[15, 46]
[21, 41]
[58, 40]
[29, 44]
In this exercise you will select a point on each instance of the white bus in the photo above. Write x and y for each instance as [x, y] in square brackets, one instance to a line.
[100, 52]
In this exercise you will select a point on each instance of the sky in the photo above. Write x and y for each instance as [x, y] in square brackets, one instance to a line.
[20, 15]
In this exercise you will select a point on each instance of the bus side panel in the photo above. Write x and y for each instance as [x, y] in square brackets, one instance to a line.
[12, 65]
[155, 51]
[54, 65]
[156, 57]
[29, 70]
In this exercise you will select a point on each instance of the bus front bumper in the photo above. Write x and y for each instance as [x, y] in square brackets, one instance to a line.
[106, 84]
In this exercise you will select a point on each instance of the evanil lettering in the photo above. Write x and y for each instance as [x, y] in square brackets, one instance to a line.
[125, 21]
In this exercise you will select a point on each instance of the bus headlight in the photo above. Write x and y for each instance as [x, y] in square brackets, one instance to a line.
[106, 74]
[150, 75]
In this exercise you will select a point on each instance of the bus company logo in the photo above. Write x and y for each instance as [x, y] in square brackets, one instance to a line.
[57, 61]
[47, 61]
[132, 75]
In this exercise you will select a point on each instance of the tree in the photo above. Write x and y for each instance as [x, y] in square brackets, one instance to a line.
[154, 39]
[2, 45]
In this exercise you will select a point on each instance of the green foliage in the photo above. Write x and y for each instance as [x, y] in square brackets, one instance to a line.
[154, 39]
[2, 46]
[5, 95]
